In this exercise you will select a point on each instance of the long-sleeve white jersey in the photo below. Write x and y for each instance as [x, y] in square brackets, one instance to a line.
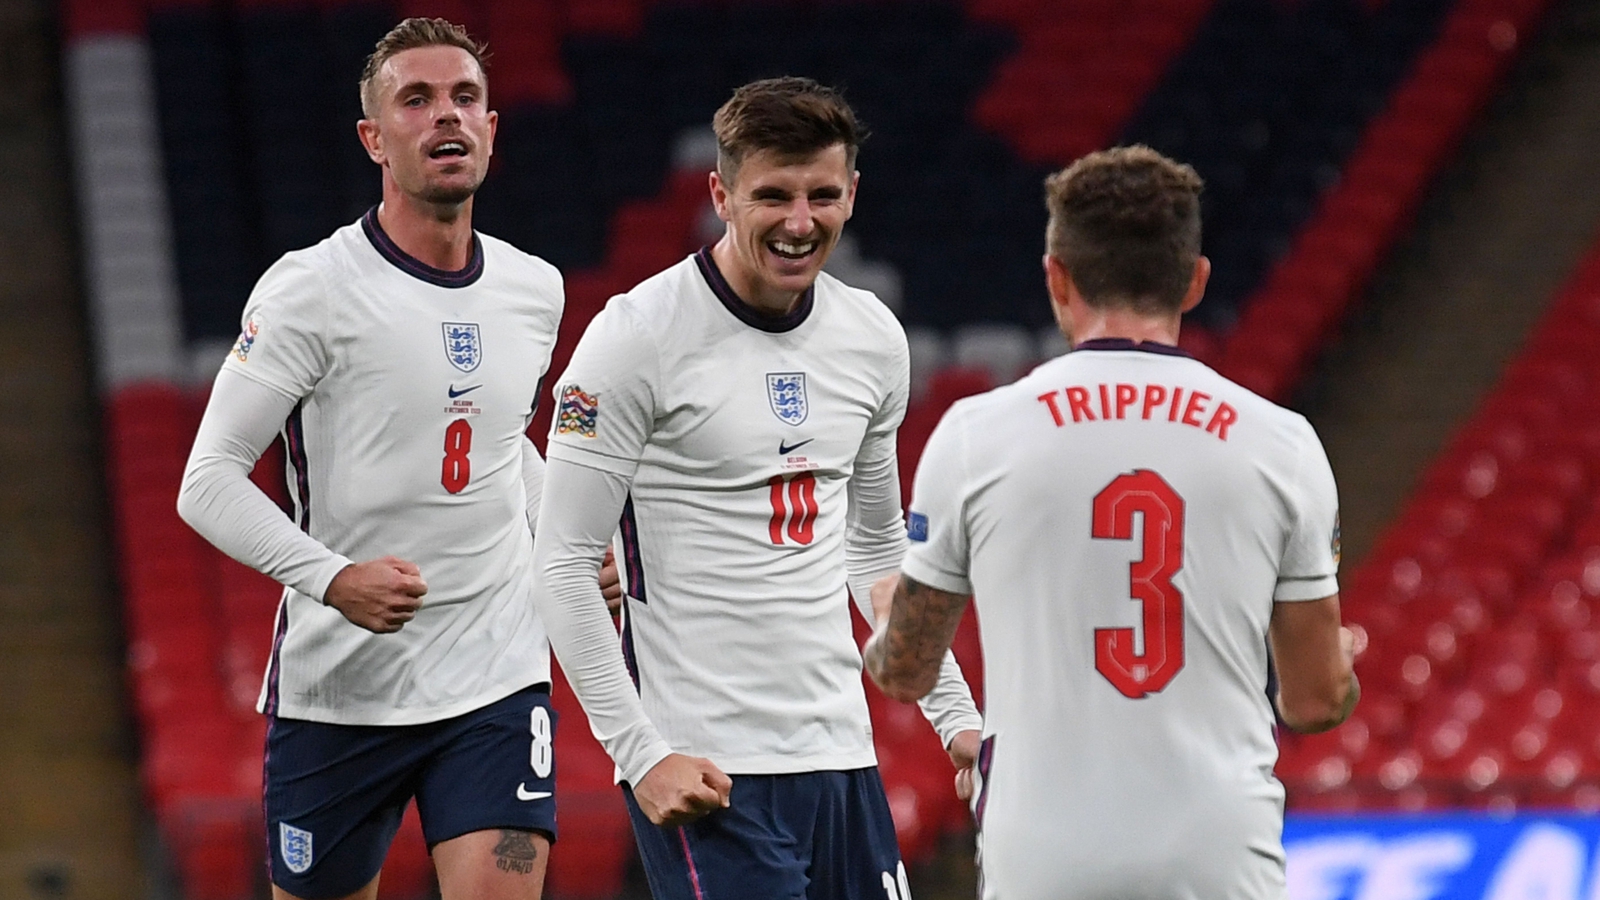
[752, 463]
[1126, 518]
[403, 393]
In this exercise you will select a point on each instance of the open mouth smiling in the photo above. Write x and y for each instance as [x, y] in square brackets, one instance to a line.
[786, 250]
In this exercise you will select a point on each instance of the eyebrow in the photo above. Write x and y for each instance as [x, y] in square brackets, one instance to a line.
[424, 87]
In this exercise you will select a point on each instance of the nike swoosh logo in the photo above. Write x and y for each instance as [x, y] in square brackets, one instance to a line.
[524, 794]
[790, 448]
[466, 390]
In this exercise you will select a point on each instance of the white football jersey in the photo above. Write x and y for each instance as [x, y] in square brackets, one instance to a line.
[740, 434]
[415, 387]
[1126, 518]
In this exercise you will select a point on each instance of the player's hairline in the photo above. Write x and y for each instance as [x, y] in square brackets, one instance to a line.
[417, 33]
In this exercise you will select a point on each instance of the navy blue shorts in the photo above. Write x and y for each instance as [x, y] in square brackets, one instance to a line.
[335, 793]
[808, 836]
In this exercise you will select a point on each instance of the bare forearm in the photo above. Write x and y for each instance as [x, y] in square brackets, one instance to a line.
[1315, 724]
[904, 654]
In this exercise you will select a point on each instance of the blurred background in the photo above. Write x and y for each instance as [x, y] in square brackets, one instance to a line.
[1401, 209]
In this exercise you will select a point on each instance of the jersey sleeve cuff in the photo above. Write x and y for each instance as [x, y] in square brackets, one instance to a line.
[1310, 587]
[938, 579]
[593, 459]
[323, 576]
[635, 763]
[950, 726]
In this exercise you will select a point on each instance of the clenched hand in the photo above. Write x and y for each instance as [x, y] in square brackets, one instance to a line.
[679, 789]
[380, 595]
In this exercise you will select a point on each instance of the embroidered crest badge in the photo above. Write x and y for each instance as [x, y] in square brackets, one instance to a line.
[578, 413]
[294, 845]
[463, 345]
[787, 393]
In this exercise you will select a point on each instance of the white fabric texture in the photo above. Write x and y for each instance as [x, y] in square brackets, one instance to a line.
[1125, 519]
[408, 391]
[756, 464]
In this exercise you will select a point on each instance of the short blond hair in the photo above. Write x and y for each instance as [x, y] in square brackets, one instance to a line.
[412, 34]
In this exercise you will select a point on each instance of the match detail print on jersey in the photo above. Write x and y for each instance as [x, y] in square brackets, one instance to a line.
[1137, 675]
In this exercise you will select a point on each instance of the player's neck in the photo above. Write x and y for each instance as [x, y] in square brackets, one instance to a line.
[1125, 325]
[747, 288]
[435, 234]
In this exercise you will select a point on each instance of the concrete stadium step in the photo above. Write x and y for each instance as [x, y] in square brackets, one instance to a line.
[67, 764]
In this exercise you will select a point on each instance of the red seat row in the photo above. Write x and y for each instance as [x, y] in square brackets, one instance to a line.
[1482, 603]
[1303, 300]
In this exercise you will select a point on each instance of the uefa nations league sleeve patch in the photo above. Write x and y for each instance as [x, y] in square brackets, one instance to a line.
[247, 338]
[578, 412]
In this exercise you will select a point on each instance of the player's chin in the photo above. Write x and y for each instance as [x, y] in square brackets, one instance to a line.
[451, 191]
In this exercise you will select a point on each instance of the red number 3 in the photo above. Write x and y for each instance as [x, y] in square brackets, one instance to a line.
[457, 467]
[1137, 675]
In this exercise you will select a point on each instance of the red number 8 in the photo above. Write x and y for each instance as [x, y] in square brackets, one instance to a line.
[457, 467]
[1150, 582]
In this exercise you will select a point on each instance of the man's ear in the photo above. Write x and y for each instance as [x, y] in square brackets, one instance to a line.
[371, 140]
[719, 195]
[1197, 284]
[1057, 280]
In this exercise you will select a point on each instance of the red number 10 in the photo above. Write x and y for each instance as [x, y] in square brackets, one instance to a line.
[1150, 582]
[793, 502]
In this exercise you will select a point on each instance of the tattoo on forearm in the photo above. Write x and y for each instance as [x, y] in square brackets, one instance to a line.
[516, 852]
[920, 629]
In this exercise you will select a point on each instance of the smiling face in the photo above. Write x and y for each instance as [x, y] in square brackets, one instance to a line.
[432, 131]
[784, 215]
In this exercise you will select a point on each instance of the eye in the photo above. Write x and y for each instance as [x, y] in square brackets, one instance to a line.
[466, 100]
[415, 101]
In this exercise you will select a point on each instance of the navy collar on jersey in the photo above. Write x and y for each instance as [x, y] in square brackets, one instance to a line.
[416, 268]
[743, 311]
[1125, 344]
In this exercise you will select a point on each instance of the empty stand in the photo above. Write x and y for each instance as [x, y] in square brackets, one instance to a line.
[1481, 601]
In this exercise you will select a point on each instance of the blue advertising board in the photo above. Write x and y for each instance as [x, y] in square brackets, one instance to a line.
[1457, 856]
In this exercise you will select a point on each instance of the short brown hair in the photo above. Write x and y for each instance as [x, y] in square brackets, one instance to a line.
[1125, 223]
[410, 35]
[790, 116]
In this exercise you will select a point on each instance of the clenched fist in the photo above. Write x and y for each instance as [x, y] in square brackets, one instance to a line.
[380, 595]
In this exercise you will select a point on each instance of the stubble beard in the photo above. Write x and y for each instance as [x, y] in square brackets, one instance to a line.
[448, 195]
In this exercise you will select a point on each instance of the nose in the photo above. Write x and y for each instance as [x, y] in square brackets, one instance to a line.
[446, 111]
[798, 221]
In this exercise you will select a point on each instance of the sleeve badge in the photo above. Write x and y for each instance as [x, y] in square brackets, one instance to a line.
[247, 339]
[578, 412]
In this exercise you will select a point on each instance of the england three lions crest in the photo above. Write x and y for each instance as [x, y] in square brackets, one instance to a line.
[463, 345]
[787, 393]
[294, 845]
